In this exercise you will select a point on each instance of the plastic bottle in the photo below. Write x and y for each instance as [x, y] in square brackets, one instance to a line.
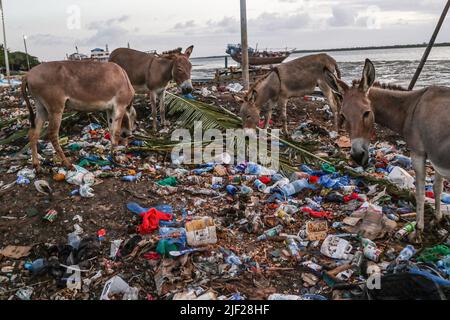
[246, 190]
[407, 229]
[74, 240]
[36, 266]
[253, 169]
[293, 248]
[232, 190]
[406, 253]
[295, 187]
[279, 296]
[270, 233]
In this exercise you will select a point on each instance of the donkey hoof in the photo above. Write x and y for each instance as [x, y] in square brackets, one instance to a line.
[416, 237]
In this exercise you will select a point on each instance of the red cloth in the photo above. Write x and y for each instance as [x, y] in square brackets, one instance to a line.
[150, 220]
[265, 179]
[316, 214]
[152, 256]
[354, 196]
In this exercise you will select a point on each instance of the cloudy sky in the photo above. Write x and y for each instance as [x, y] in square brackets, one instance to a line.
[54, 27]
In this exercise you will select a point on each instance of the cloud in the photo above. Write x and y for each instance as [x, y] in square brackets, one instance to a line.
[342, 17]
[185, 25]
[109, 31]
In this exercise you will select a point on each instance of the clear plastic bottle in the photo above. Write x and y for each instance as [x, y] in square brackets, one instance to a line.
[295, 187]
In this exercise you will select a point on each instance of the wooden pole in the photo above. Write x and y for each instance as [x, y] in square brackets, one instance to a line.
[244, 45]
[429, 47]
[5, 47]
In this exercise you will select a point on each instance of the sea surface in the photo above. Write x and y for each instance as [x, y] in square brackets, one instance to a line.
[392, 65]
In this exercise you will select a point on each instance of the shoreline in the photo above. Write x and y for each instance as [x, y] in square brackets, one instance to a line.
[407, 46]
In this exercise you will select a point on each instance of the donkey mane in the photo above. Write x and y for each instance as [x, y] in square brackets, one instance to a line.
[252, 90]
[171, 53]
[386, 86]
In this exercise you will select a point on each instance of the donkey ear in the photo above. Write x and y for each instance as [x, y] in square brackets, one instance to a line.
[337, 85]
[368, 77]
[189, 50]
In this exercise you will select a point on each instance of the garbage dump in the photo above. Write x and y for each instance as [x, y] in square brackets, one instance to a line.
[151, 228]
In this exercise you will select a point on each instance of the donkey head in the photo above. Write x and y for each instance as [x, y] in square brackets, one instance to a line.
[181, 70]
[128, 125]
[249, 112]
[356, 115]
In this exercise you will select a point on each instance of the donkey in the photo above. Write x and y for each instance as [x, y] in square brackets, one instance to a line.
[295, 78]
[83, 86]
[422, 117]
[152, 73]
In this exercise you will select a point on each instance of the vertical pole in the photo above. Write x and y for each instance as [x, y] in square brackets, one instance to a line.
[26, 51]
[430, 46]
[5, 47]
[244, 45]
[226, 62]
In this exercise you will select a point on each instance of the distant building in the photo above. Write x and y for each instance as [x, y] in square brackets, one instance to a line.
[77, 56]
[101, 55]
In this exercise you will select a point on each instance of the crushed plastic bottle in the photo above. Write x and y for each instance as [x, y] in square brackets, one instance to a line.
[270, 233]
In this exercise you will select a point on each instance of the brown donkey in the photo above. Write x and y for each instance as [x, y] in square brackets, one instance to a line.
[422, 117]
[152, 73]
[295, 78]
[83, 86]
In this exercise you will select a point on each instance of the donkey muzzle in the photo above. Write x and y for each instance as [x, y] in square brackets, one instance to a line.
[186, 87]
[360, 152]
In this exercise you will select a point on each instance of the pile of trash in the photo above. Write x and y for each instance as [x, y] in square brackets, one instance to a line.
[215, 231]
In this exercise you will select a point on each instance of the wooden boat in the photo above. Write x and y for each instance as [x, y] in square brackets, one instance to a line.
[258, 58]
[261, 61]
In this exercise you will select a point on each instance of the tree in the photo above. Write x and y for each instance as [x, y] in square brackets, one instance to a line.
[17, 60]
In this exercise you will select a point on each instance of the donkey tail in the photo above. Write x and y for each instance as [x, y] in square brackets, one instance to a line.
[27, 101]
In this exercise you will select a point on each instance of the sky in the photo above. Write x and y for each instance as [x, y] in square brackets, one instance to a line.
[54, 27]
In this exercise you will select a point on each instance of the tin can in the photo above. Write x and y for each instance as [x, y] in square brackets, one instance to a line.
[51, 215]
[260, 186]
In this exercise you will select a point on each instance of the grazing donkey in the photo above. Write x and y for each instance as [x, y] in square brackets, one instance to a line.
[152, 73]
[83, 86]
[422, 117]
[295, 78]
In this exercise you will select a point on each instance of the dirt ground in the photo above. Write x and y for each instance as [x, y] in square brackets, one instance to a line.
[22, 209]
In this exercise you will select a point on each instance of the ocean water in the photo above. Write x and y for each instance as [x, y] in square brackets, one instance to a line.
[393, 65]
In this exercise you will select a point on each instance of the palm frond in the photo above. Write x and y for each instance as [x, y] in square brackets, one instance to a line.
[217, 117]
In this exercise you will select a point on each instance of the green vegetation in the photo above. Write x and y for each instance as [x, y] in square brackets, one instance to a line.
[17, 60]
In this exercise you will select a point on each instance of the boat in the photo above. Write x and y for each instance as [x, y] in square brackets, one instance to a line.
[258, 58]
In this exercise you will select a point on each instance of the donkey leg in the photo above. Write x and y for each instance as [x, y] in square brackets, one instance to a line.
[328, 93]
[438, 188]
[282, 104]
[152, 97]
[418, 163]
[268, 114]
[34, 133]
[162, 108]
[54, 123]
